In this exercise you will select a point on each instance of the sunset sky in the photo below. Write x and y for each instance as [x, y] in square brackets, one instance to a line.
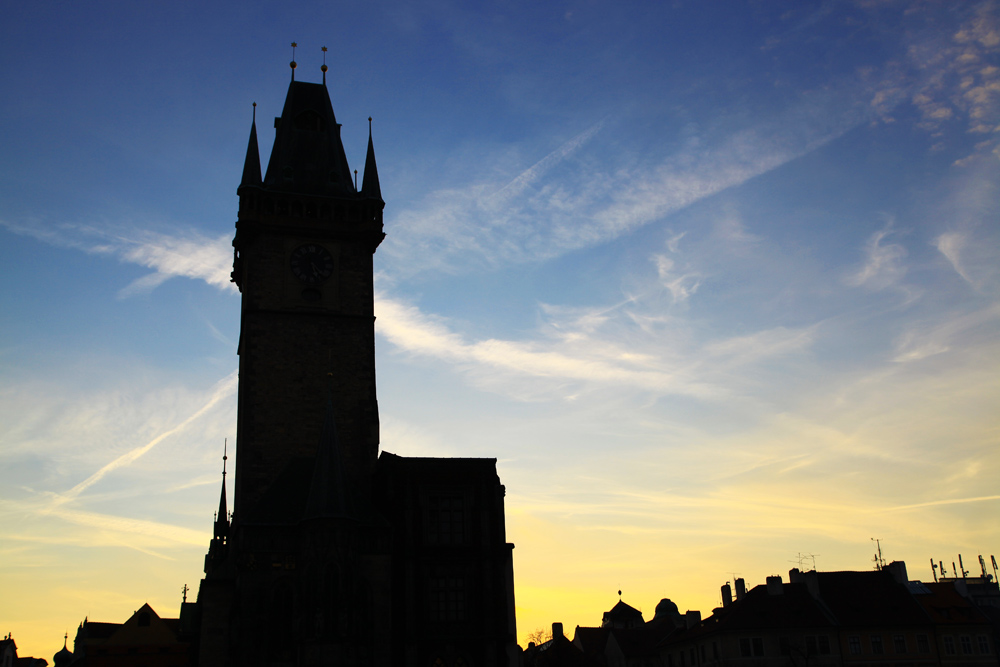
[717, 283]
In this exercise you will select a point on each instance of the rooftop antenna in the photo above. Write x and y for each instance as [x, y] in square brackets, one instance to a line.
[965, 572]
[293, 64]
[324, 67]
[994, 561]
[879, 561]
[982, 565]
[934, 569]
[184, 592]
[954, 569]
[944, 572]
[801, 558]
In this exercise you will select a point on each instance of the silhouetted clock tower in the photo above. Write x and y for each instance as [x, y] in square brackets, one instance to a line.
[335, 554]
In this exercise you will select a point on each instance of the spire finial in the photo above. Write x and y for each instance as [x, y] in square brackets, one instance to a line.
[293, 64]
[184, 591]
[225, 457]
[324, 67]
[254, 112]
[355, 179]
[65, 638]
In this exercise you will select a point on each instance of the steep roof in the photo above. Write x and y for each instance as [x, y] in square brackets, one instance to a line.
[622, 615]
[308, 154]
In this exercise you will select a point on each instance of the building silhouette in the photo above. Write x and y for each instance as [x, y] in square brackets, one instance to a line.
[817, 619]
[334, 554]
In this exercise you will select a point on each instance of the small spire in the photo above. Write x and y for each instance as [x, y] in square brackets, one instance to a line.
[222, 516]
[324, 67]
[65, 638]
[370, 186]
[251, 164]
[293, 64]
[355, 179]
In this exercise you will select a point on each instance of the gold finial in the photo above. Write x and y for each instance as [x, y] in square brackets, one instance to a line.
[293, 64]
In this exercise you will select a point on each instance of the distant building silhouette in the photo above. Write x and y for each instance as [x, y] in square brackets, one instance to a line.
[818, 619]
[8, 655]
[143, 639]
[334, 554]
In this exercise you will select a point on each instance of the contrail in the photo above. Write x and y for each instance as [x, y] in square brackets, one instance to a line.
[952, 501]
[223, 389]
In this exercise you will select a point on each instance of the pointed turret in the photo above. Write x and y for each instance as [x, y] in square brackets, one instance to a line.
[369, 186]
[251, 165]
[327, 498]
[222, 518]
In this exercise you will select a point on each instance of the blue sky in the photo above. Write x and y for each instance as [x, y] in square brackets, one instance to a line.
[716, 283]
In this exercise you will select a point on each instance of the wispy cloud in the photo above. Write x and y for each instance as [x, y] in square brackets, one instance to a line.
[226, 387]
[883, 265]
[585, 192]
[188, 254]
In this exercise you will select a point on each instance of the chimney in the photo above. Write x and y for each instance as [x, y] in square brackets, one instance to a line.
[774, 586]
[898, 570]
[795, 576]
[557, 631]
[741, 588]
[727, 595]
[692, 618]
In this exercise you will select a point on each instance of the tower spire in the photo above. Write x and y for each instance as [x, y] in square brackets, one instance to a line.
[251, 165]
[222, 518]
[369, 186]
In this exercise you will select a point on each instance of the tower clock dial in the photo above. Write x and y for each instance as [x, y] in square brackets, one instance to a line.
[311, 263]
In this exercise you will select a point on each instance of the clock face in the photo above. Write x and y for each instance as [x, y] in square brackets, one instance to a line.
[311, 263]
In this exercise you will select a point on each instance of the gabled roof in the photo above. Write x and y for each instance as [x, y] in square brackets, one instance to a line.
[622, 615]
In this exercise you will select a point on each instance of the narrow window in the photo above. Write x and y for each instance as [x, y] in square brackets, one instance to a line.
[923, 646]
[984, 644]
[899, 643]
[966, 644]
[745, 647]
[824, 645]
[949, 645]
[877, 647]
[758, 646]
[854, 644]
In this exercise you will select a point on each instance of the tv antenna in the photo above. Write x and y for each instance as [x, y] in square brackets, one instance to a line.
[801, 559]
[878, 560]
